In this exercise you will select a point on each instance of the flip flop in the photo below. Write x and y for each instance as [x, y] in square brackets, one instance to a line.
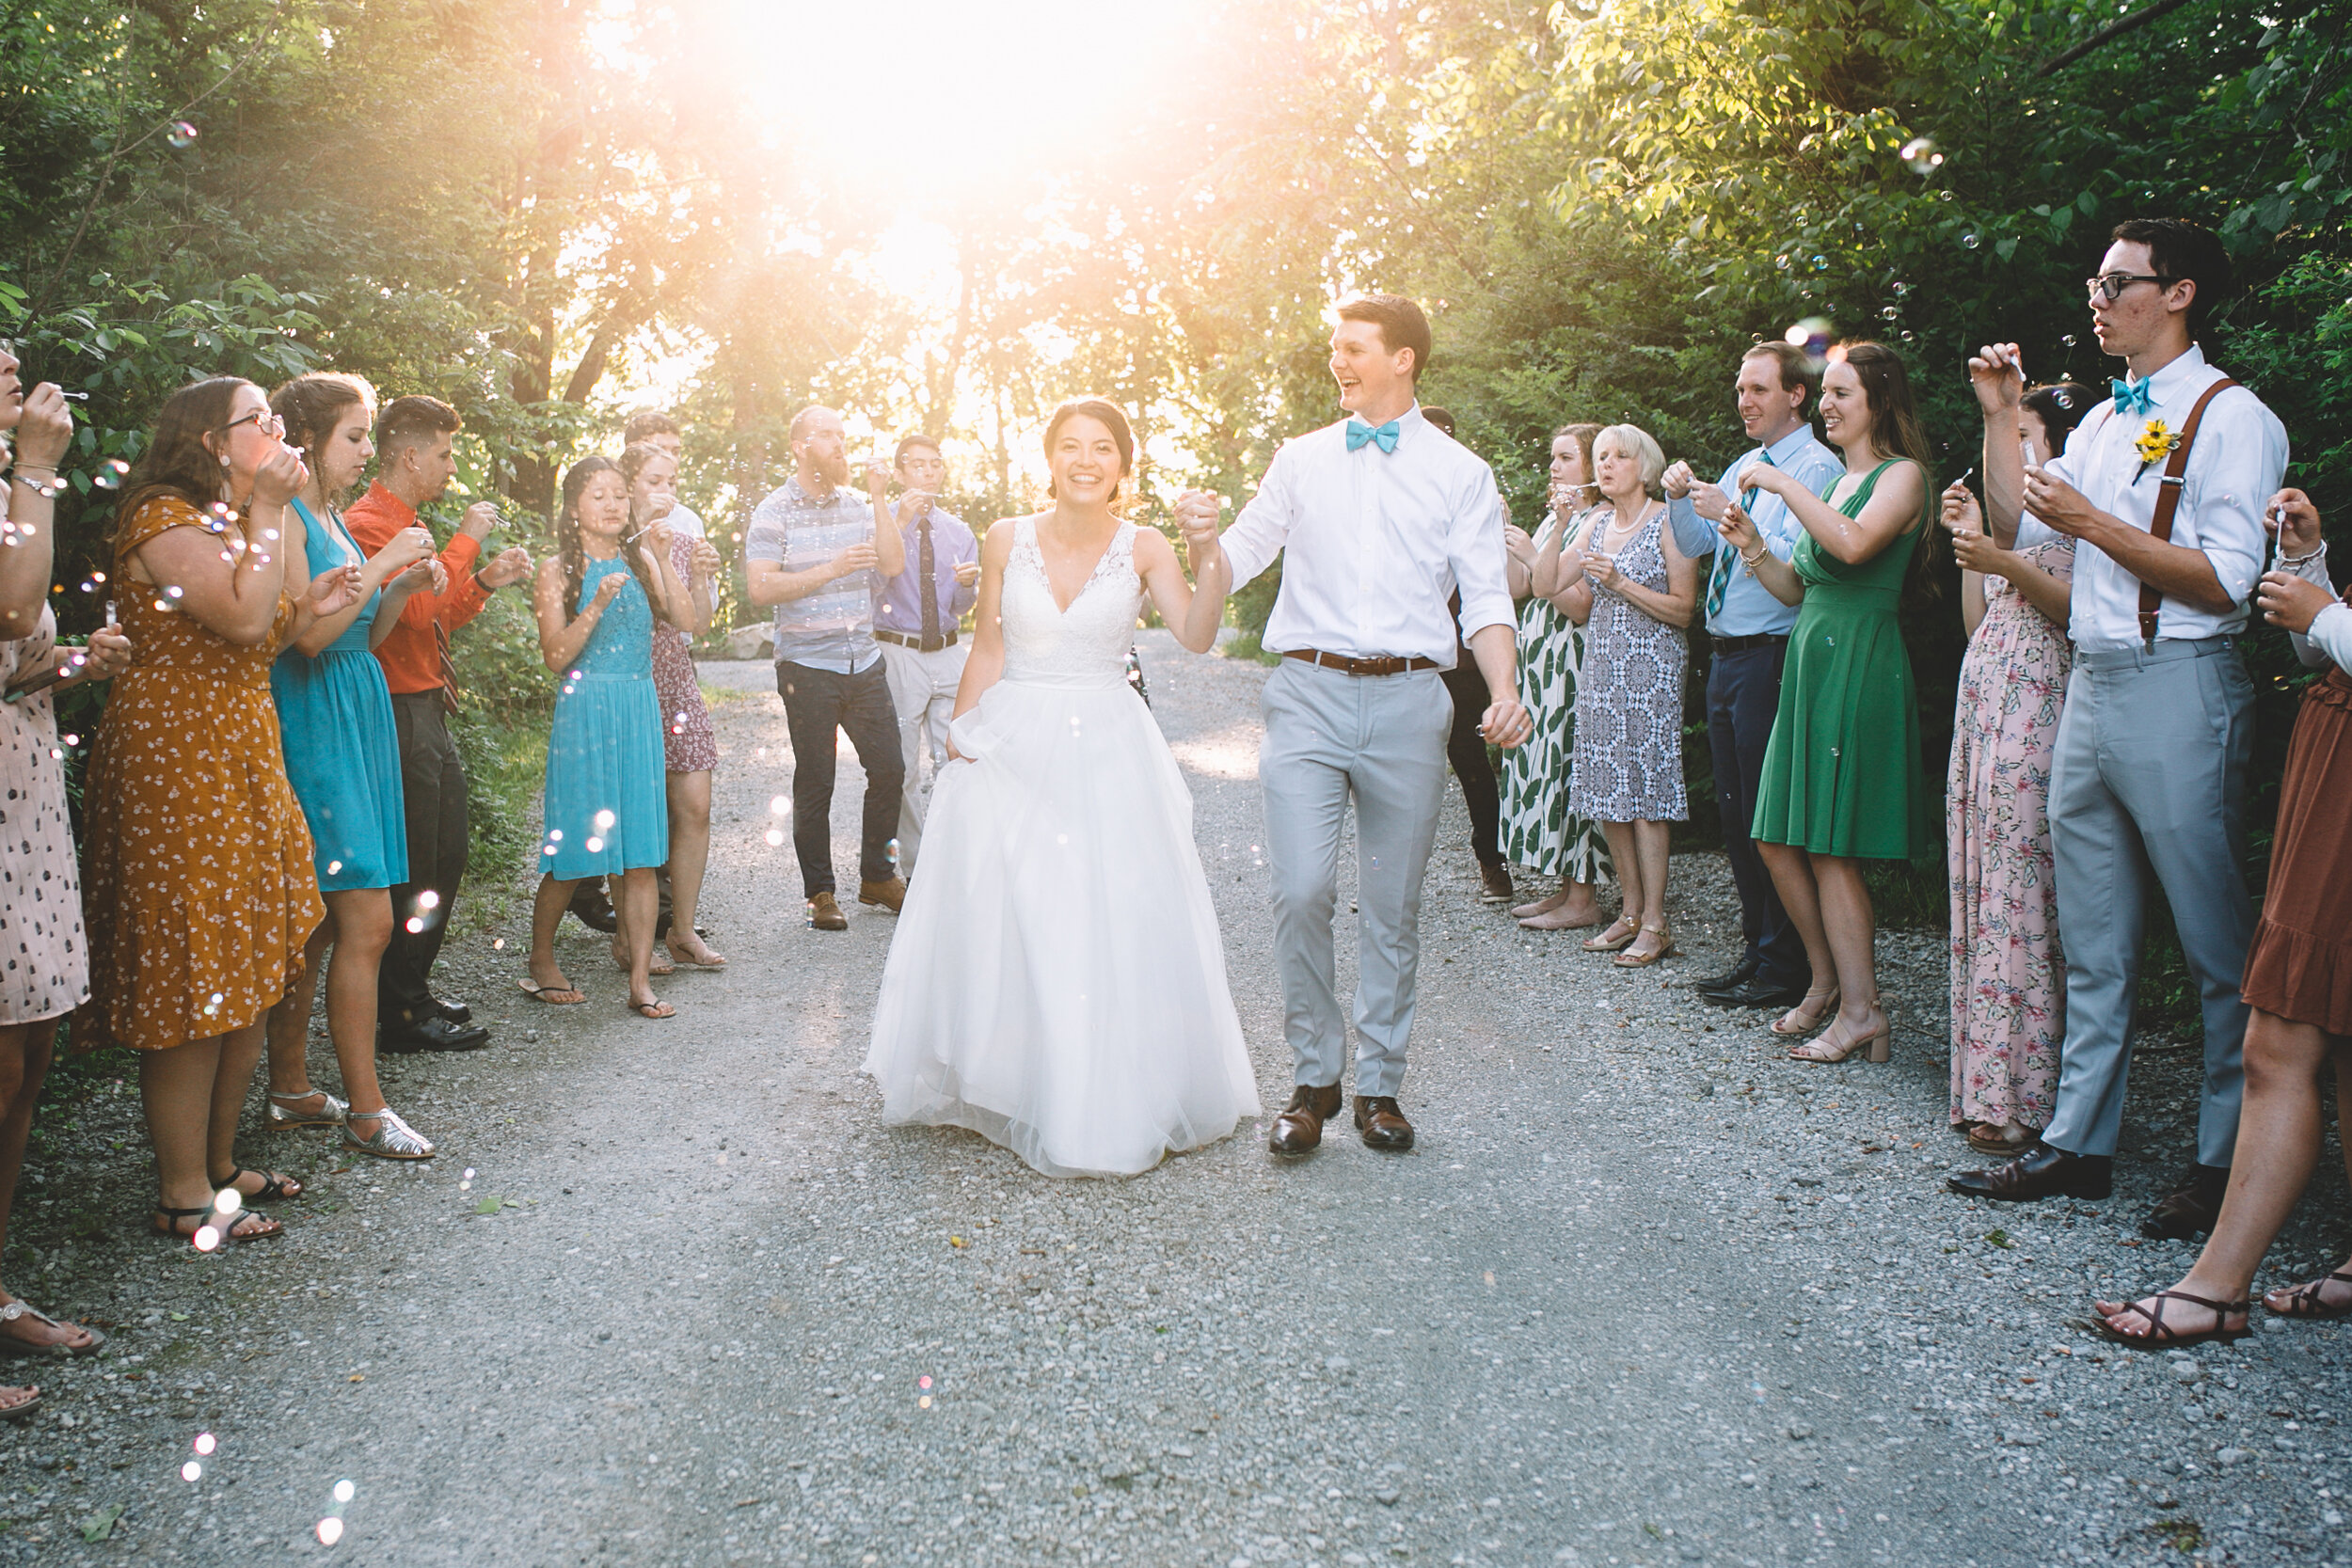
[654, 1009]
[12, 1345]
[545, 995]
[18, 1412]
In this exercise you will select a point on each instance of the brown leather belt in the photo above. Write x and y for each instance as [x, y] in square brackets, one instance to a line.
[1391, 664]
[946, 640]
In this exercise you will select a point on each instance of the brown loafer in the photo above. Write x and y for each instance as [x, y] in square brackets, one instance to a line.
[1299, 1129]
[1382, 1122]
[891, 896]
[1494, 884]
[825, 915]
[2192, 1208]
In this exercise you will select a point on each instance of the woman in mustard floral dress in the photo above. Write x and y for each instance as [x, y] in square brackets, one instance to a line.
[197, 887]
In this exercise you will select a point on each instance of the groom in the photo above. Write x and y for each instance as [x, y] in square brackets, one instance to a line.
[1380, 519]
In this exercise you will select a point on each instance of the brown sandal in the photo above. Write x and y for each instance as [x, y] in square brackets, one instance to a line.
[2302, 1300]
[1629, 959]
[1609, 942]
[169, 1220]
[2160, 1337]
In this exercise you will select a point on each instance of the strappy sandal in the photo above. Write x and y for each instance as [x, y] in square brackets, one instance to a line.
[1994, 1144]
[274, 1186]
[2302, 1300]
[262, 1224]
[1871, 1046]
[393, 1139]
[1609, 942]
[2160, 1337]
[545, 995]
[278, 1118]
[12, 1345]
[657, 964]
[1809, 1012]
[1666, 949]
[716, 960]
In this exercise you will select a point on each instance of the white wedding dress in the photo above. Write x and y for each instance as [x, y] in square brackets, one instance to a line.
[1058, 983]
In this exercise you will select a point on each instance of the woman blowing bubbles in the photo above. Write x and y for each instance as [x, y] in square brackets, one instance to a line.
[607, 813]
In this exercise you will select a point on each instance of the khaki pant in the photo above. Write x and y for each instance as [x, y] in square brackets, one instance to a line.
[923, 693]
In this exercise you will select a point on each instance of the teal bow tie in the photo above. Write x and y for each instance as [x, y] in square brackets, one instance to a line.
[2131, 397]
[1359, 433]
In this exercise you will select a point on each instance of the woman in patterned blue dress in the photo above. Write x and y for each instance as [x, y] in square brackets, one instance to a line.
[607, 804]
[1635, 593]
[344, 760]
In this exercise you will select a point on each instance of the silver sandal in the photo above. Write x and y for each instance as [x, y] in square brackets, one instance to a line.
[12, 1345]
[279, 1119]
[394, 1139]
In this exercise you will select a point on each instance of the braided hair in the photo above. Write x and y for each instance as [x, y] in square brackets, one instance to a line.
[575, 556]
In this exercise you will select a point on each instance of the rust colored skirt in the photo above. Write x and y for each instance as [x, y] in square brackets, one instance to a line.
[2300, 966]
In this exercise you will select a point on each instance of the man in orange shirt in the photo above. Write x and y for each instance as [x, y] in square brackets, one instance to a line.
[414, 440]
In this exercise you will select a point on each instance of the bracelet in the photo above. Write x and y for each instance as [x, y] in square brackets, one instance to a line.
[1749, 561]
[2291, 562]
[47, 492]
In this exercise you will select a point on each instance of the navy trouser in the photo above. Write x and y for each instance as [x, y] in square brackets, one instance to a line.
[1743, 698]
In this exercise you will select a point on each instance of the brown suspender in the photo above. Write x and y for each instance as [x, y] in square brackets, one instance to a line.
[2169, 500]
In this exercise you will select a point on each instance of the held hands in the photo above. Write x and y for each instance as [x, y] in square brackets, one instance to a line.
[2286, 600]
[336, 589]
[1505, 724]
[1998, 373]
[510, 564]
[2291, 515]
[44, 430]
[1197, 513]
[2058, 503]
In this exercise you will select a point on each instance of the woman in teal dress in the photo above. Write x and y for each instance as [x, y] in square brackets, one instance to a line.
[336, 715]
[607, 801]
[1842, 778]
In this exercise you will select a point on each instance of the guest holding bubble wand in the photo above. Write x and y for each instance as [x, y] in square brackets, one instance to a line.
[344, 760]
[607, 812]
[197, 875]
[1842, 780]
[2298, 979]
[690, 750]
[41, 906]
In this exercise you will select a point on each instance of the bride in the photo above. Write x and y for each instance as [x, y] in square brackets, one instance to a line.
[1058, 983]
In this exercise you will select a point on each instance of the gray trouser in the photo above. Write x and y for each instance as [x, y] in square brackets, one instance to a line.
[923, 694]
[1380, 740]
[2149, 777]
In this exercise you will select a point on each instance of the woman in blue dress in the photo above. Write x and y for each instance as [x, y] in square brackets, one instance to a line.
[336, 715]
[607, 809]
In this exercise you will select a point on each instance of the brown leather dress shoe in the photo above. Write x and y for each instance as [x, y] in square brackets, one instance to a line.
[891, 896]
[2191, 1207]
[2040, 1172]
[1382, 1123]
[1494, 884]
[1299, 1129]
[825, 915]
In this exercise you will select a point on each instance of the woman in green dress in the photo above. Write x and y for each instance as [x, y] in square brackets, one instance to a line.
[1537, 831]
[1842, 777]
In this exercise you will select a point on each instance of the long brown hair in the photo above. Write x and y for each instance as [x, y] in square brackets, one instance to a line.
[1111, 417]
[575, 555]
[311, 405]
[1896, 432]
[177, 464]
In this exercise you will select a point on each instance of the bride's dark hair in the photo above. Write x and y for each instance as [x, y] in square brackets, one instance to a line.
[1111, 418]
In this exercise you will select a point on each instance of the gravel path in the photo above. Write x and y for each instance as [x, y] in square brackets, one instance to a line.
[1644, 1294]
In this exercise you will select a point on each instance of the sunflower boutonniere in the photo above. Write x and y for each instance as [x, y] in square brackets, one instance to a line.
[2153, 444]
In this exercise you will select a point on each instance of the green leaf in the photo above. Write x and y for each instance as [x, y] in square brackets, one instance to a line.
[101, 1525]
[1999, 1239]
[487, 1206]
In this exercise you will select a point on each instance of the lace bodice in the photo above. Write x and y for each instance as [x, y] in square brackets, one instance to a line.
[622, 644]
[1087, 642]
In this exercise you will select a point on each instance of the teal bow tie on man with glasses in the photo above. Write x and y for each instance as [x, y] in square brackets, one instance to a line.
[1359, 433]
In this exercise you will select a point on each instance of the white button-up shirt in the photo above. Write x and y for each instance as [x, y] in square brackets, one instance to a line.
[2330, 641]
[1377, 542]
[2238, 460]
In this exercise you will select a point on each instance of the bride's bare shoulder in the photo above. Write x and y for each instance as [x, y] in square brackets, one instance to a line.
[997, 543]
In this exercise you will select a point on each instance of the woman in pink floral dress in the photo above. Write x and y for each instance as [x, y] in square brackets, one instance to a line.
[2009, 978]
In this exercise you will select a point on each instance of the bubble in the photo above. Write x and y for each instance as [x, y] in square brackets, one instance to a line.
[111, 474]
[344, 1490]
[891, 848]
[164, 604]
[1921, 154]
[604, 821]
[428, 900]
[227, 1201]
[414, 925]
[334, 866]
[2069, 340]
[923, 1403]
[1908, 336]
[204, 1443]
[498, 944]
[923, 1382]
[778, 806]
[596, 846]
[330, 1530]
[2064, 399]
[1821, 264]
[1971, 241]
[206, 1238]
[182, 134]
[191, 1471]
[71, 739]
[556, 834]
[1890, 312]
[1943, 196]
[1901, 288]
[775, 836]
[468, 1173]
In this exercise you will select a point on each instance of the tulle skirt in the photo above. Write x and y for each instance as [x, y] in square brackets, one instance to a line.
[1058, 983]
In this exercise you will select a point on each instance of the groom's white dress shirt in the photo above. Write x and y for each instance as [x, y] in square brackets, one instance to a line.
[1377, 542]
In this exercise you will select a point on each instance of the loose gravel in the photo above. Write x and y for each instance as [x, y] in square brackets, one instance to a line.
[1646, 1293]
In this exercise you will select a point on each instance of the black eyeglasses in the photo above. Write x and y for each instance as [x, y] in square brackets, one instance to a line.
[263, 419]
[2113, 284]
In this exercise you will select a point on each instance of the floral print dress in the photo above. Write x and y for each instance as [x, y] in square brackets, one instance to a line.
[2009, 978]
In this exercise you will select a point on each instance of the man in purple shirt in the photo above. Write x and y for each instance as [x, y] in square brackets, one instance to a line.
[915, 619]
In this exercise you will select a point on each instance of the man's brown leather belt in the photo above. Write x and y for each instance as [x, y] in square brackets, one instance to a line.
[1391, 664]
[946, 640]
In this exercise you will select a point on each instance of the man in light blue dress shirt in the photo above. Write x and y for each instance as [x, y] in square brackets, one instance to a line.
[1748, 629]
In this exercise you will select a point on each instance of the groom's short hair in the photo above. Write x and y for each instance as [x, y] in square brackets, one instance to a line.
[1400, 321]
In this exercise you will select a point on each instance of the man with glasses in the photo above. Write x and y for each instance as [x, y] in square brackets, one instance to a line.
[916, 621]
[2147, 786]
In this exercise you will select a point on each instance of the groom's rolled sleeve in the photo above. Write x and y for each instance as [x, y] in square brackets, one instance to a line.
[1474, 548]
[1264, 527]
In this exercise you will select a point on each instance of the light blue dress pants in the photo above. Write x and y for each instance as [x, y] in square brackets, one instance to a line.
[2150, 780]
[1379, 740]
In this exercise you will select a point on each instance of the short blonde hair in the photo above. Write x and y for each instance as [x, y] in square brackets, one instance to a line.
[1640, 446]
